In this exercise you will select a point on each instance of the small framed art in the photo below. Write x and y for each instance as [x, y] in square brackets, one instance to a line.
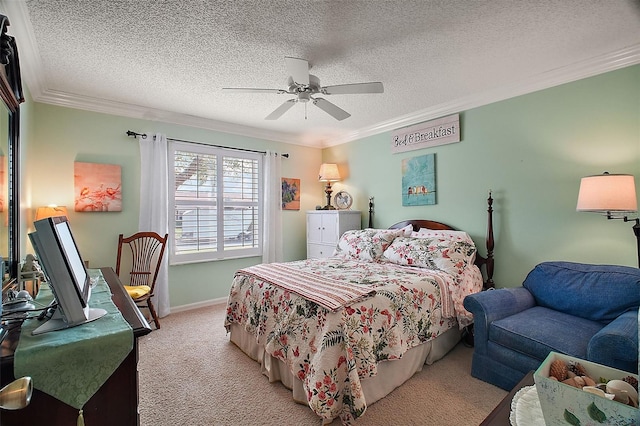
[419, 180]
[98, 187]
[290, 194]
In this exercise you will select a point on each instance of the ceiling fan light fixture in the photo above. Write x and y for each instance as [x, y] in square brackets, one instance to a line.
[304, 96]
[303, 85]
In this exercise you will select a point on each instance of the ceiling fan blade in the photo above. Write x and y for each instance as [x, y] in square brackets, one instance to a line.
[331, 109]
[281, 110]
[298, 69]
[251, 90]
[355, 88]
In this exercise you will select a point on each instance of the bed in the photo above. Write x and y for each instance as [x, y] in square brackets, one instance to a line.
[343, 332]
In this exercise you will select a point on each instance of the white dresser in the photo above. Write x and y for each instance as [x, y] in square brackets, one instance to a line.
[325, 227]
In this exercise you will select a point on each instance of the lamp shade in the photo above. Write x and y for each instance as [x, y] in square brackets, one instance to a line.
[607, 193]
[328, 173]
[50, 211]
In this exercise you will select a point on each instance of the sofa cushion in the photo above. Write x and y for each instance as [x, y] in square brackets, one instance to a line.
[538, 330]
[595, 292]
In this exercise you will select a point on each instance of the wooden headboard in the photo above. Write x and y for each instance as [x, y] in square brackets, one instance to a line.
[486, 261]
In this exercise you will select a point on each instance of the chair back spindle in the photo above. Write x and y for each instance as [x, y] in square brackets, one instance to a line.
[146, 250]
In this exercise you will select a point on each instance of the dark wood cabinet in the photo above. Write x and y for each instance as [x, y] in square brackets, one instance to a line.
[115, 403]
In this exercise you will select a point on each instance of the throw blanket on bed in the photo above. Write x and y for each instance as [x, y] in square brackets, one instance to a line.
[326, 292]
[441, 279]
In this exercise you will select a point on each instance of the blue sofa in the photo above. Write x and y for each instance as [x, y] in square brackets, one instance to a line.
[585, 311]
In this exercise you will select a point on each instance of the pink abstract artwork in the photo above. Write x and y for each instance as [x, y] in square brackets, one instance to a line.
[98, 187]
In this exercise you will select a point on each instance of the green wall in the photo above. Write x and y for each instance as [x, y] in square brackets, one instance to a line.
[531, 151]
[60, 136]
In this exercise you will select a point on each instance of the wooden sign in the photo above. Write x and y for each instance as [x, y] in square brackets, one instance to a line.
[425, 135]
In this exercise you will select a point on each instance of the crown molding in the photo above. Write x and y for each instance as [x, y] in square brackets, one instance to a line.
[35, 78]
[65, 99]
[587, 68]
[20, 27]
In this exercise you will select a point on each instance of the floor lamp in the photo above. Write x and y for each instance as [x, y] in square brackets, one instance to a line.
[612, 195]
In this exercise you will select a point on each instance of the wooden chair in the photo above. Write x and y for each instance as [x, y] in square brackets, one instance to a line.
[147, 249]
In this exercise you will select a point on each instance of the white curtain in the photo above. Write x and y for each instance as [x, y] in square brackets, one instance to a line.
[154, 202]
[272, 209]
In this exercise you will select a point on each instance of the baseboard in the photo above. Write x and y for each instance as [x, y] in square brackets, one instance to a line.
[190, 306]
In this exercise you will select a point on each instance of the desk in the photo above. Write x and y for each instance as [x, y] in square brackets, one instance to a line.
[500, 415]
[116, 403]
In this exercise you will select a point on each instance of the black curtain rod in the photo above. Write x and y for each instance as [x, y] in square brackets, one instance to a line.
[144, 136]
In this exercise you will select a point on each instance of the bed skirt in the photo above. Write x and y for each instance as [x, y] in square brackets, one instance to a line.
[391, 374]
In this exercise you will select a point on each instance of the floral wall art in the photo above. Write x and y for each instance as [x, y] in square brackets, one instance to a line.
[98, 187]
[290, 194]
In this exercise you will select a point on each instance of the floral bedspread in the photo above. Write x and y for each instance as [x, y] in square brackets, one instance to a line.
[331, 351]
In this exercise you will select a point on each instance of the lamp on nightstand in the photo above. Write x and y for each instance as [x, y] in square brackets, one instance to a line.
[328, 173]
[612, 195]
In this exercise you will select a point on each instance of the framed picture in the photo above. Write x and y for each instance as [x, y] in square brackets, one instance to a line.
[290, 194]
[98, 187]
[419, 180]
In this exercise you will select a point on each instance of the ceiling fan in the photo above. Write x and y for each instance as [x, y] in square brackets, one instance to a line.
[304, 86]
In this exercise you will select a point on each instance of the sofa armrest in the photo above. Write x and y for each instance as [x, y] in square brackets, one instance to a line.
[616, 345]
[492, 305]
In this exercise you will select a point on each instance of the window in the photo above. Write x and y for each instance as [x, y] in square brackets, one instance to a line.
[216, 203]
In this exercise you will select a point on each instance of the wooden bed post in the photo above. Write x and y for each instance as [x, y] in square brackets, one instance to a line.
[486, 261]
[370, 212]
[489, 263]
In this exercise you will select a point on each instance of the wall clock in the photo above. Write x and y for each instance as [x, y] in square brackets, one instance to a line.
[343, 200]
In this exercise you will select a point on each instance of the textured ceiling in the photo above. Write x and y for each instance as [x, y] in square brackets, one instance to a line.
[168, 59]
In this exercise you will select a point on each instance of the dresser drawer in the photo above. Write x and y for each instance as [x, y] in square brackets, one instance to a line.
[319, 251]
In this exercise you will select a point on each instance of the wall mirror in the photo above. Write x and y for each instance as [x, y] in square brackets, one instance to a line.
[4, 182]
[11, 95]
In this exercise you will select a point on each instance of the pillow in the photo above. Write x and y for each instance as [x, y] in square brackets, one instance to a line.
[432, 253]
[441, 233]
[365, 244]
[407, 230]
[136, 291]
[445, 234]
[595, 292]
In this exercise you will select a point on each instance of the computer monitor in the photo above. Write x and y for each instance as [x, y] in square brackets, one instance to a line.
[66, 274]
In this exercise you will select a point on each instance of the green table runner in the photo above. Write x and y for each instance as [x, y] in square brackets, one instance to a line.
[72, 364]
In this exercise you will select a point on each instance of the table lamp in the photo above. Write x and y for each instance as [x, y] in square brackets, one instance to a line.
[612, 195]
[328, 173]
[50, 211]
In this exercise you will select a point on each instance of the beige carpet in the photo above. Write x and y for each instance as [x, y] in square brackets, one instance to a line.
[190, 374]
